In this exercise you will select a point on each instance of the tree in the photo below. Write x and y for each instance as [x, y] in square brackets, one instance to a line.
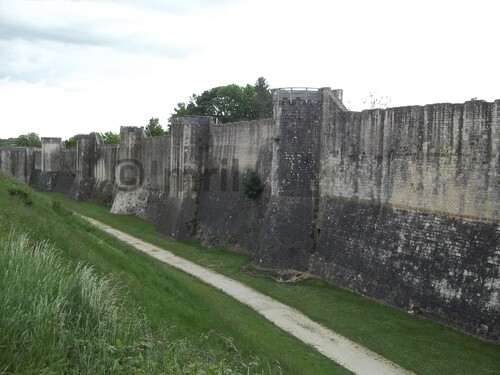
[374, 100]
[8, 142]
[70, 142]
[28, 140]
[154, 129]
[106, 138]
[262, 103]
[110, 137]
[230, 103]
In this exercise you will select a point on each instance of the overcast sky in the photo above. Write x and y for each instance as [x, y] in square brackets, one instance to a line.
[69, 67]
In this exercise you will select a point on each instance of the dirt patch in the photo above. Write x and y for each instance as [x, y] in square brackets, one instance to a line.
[281, 276]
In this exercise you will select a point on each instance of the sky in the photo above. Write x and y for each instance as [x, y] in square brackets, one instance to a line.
[76, 66]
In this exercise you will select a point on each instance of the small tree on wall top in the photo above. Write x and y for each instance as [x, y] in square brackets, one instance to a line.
[110, 138]
[374, 100]
[70, 142]
[154, 129]
[252, 186]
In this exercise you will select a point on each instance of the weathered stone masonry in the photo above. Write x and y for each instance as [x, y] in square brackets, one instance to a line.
[400, 204]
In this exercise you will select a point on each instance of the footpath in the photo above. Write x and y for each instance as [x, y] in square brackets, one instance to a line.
[336, 347]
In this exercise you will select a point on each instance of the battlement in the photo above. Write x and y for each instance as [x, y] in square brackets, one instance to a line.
[50, 140]
[192, 120]
[296, 93]
[304, 93]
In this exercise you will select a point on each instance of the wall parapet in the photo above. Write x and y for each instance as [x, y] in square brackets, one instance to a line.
[192, 120]
[296, 93]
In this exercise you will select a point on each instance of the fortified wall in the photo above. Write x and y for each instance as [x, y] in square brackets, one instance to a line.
[400, 204]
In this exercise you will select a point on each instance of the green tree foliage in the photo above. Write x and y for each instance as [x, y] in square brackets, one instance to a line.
[262, 101]
[110, 137]
[154, 129]
[106, 138]
[28, 140]
[70, 142]
[230, 103]
[8, 142]
[252, 186]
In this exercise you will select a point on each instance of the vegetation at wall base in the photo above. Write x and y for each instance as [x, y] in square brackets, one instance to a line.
[416, 343]
[157, 319]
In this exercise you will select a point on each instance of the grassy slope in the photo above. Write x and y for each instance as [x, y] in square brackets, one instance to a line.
[415, 343]
[166, 296]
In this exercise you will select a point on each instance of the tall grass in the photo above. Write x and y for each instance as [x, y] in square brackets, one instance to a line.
[190, 324]
[59, 318]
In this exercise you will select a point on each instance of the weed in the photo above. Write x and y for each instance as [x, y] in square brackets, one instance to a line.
[252, 186]
[58, 207]
[21, 194]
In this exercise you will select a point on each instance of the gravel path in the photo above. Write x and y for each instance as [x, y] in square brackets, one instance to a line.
[334, 346]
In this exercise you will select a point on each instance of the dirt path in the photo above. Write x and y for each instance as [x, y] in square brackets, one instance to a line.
[334, 346]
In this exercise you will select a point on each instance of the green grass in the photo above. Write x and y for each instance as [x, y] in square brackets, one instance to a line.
[418, 344]
[60, 318]
[216, 326]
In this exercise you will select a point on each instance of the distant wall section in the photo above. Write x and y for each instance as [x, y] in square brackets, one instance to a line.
[18, 162]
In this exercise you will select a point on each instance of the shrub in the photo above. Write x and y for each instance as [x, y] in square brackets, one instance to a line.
[22, 194]
[58, 207]
[252, 186]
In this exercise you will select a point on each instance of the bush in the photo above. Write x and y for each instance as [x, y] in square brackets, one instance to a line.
[252, 186]
[58, 207]
[22, 194]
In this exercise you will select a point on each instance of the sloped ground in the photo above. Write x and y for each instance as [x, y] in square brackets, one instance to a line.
[336, 347]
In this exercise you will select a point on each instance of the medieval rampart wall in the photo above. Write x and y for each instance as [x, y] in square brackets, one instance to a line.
[400, 204]
[408, 209]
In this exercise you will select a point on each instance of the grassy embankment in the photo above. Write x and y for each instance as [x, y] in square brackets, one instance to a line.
[126, 314]
[418, 344]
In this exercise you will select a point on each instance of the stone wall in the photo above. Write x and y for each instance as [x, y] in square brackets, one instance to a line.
[224, 214]
[440, 266]
[441, 158]
[399, 204]
[286, 240]
[18, 162]
[409, 209]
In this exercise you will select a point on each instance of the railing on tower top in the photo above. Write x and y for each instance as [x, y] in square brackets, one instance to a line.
[294, 93]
